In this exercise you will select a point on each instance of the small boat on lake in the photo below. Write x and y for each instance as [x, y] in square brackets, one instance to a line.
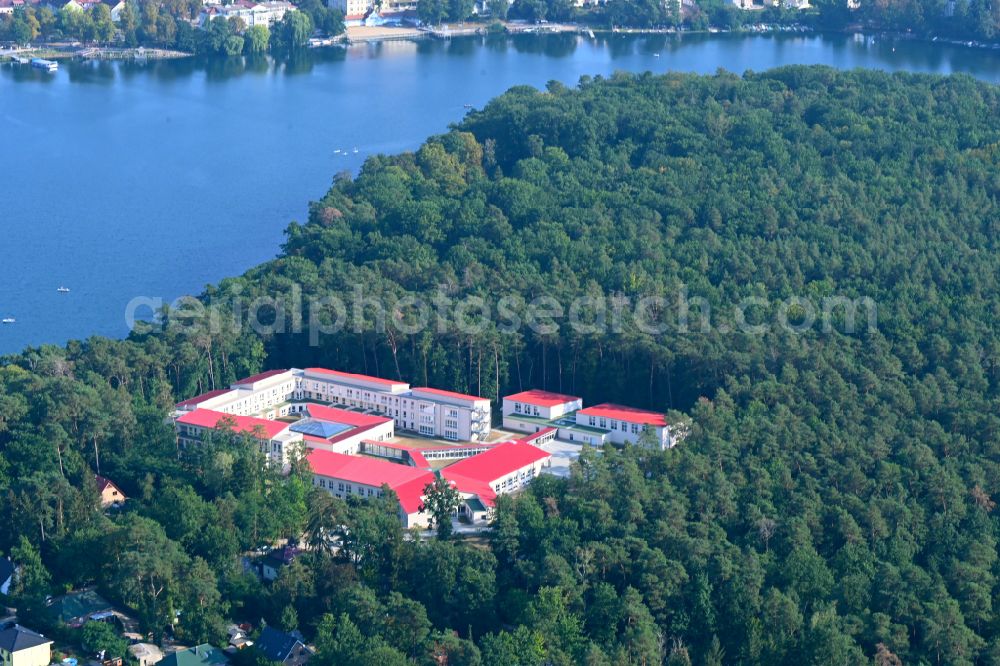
[63, 290]
[8, 320]
[47, 65]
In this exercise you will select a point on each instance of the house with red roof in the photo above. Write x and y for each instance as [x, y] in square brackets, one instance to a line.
[532, 410]
[111, 495]
[346, 476]
[504, 468]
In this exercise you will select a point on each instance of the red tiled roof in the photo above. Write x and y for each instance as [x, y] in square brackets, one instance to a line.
[623, 413]
[103, 483]
[351, 375]
[541, 398]
[449, 394]
[345, 416]
[207, 418]
[481, 489]
[411, 493]
[498, 462]
[258, 377]
[203, 397]
[408, 482]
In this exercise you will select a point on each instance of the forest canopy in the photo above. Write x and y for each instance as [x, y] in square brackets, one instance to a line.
[833, 502]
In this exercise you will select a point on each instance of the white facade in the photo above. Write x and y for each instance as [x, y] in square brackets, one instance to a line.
[626, 425]
[352, 8]
[429, 412]
[541, 404]
[277, 446]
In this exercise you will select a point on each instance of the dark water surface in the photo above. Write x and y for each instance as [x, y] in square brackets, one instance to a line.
[121, 179]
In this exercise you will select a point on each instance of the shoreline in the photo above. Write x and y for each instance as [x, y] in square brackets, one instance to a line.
[356, 35]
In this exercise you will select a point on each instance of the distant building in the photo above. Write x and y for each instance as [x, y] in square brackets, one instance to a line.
[354, 476]
[6, 575]
[146, 654]
[201, 655]
[116, 10]
[276, 560]
[23, 647]
[286, 649]
[505, 468]
[354, 9]
[77, 608]
[111, 495]
[251, 13]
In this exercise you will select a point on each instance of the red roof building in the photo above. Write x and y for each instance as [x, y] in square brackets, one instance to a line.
[542, 398]
[211, 420]
[626, 414]
[502, 469]
[529, 411]
[358, 476]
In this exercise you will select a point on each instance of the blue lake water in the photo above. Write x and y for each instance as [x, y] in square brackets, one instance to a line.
[122, 180]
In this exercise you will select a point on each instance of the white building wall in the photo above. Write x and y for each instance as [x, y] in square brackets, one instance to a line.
[513, 407]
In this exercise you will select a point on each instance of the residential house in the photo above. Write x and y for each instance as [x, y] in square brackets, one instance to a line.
[116, 10]
[77, 608]
[111, 495]
[23, 647]
[200, 655]
[278, 646]
[146, 654]
[276, 560]
[353, 9]
[7, 571]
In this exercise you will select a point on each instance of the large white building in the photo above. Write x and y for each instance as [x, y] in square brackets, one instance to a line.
[353, 9]
[428, 411]
[251, 13]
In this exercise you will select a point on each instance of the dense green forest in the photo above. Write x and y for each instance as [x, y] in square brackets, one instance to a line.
[833, 503]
